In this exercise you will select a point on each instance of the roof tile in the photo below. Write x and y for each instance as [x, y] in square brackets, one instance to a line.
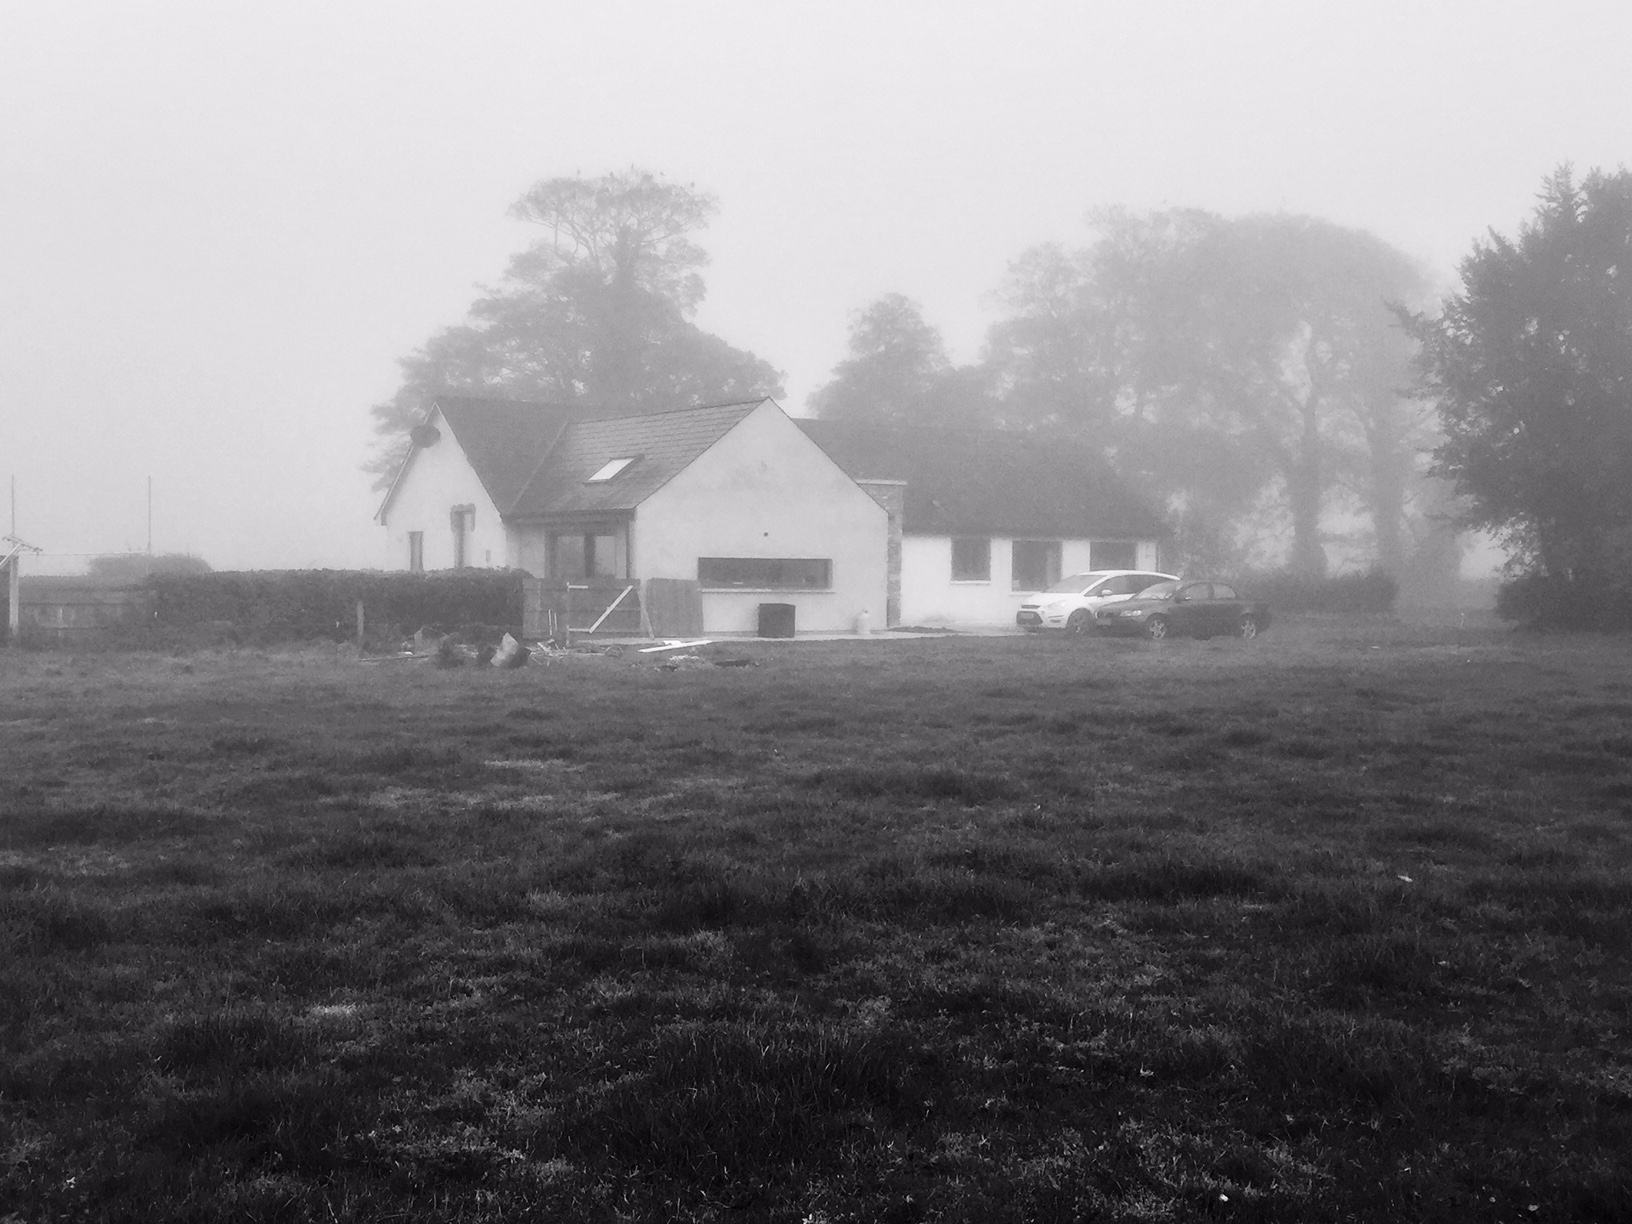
[991, 482]
[666, 443]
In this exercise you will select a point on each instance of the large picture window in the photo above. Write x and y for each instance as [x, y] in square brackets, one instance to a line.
[1036, 564]
[971, 559]
[765, 573]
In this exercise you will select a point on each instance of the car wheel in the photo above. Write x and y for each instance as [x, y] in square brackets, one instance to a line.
[1156, 628]
[1249, 626]
[1080, 623]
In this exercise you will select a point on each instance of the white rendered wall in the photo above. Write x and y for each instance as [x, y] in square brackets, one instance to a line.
[439, 477]
[766, 490]
[930, 597]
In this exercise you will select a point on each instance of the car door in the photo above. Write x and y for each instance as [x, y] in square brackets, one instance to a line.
[1190, 607]
[1227, 608]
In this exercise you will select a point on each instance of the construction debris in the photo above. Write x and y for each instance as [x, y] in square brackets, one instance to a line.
[511, 654]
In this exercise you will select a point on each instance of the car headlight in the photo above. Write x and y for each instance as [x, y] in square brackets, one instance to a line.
[1131, 612]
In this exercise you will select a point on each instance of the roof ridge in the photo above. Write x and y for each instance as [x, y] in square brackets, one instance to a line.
[635, 416]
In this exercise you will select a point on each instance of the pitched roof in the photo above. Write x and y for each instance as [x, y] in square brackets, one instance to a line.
[991, 482]
[503, 439]
[662, 444]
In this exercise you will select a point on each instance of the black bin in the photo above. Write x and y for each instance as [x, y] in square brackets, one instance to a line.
[776, 620]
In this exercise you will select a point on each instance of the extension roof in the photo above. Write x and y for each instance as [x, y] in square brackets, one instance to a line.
[991, 482]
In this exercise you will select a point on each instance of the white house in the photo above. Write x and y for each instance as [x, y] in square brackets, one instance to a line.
[732, 497]
[911, 527]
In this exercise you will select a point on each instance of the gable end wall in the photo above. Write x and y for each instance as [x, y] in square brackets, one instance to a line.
[438, 478]
[767, 490]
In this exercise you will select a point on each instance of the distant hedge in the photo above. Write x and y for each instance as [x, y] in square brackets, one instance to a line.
[1602, 605]
[1371, 591]
[300, 605]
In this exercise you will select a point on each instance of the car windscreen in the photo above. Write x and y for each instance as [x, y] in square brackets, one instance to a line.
[1073, 585]
[1162, 590]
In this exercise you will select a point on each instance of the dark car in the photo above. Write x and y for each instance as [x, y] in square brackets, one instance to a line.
[1200, 609]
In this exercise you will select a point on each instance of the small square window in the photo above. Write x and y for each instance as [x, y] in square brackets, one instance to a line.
[1036, 564]
[611, 468]
[971, 559]
[1113, 554]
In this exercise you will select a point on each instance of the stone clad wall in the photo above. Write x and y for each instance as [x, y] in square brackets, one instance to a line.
[892, 495]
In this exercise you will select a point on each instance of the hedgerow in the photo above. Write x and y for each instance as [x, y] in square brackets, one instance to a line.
[1370, 591]
[300, 605]
[1545, 601]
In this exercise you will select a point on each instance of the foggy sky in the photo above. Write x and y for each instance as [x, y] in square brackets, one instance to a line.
[222, 223]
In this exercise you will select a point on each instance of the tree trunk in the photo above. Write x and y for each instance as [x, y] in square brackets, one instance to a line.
[1387, 498]
[1304, 490]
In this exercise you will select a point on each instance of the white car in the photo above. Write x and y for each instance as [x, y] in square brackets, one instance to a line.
[1071, 602]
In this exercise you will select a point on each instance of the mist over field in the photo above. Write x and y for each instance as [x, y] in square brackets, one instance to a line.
[238, 222]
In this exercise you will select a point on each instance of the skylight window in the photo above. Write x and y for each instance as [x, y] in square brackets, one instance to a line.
[611, 469]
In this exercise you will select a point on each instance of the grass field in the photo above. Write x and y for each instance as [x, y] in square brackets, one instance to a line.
[1332, 925]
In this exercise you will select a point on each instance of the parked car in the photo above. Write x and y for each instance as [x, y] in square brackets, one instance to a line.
[1201, 609]
[1071, 602]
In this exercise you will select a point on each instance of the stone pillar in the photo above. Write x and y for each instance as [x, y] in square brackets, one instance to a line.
[892, 495]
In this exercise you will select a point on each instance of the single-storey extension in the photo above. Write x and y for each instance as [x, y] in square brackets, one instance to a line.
[986, 517]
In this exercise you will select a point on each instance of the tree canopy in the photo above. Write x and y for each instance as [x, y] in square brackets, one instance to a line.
[597, 311]
[1236, 367]
[898, 373]
[1531, 364]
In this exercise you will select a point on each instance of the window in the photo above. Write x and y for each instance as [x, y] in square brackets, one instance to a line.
[1105, 554]
[463, 521]
[581, 555]
[416, 551]
[971, 559]
[610, 469]
[766, 573]
[1036, 564]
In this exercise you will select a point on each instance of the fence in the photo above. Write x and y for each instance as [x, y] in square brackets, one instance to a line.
[607, 606]
[58, 611]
